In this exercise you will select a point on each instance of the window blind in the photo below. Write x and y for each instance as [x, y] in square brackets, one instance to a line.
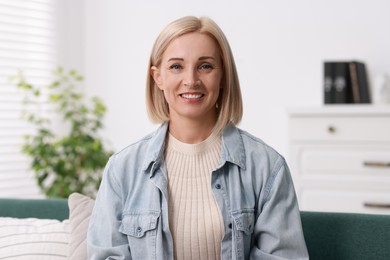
[28, 42]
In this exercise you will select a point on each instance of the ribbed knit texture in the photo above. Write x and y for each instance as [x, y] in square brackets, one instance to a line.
[195, 220]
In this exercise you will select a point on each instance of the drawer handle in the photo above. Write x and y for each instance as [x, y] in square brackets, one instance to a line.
[331, 129]
[377, 205]
[377, 164]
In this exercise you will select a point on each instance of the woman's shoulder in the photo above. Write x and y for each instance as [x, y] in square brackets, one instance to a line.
[135, 145]
[148, 144]
[253, 143]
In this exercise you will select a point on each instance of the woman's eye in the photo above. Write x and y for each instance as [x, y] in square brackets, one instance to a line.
[175, 67]
[206, 67]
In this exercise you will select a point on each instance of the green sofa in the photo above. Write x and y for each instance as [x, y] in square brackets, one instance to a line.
[35, 208]
[329, 236]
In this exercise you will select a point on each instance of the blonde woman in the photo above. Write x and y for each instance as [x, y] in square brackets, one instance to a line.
[198, 187]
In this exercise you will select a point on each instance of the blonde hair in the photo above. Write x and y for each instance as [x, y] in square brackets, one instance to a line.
[229, 102]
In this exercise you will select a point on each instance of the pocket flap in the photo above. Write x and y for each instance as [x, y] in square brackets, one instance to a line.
[244, 220]
[136, 224]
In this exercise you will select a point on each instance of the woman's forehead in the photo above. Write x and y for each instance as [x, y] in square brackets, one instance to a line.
[192, 45]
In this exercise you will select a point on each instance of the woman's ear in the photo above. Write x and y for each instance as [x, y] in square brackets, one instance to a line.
[155, 72]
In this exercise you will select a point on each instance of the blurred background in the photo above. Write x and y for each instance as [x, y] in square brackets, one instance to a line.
[279, 47]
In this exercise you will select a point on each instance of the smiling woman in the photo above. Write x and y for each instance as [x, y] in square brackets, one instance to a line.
[190, 78]
[222, 61]
[198, 187]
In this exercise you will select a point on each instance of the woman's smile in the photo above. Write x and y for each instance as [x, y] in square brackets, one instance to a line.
[192, 96]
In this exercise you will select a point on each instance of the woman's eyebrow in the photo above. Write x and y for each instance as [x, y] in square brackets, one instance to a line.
[175, 59]
[200, 58]
[206, 58]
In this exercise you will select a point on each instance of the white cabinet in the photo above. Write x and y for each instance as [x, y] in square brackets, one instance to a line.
[340, 158]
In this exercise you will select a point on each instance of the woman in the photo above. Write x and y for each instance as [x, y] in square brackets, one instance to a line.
[198, 187]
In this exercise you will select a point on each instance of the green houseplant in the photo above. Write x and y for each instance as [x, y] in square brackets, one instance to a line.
[69, 160]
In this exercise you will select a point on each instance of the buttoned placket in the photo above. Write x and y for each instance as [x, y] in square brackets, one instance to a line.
[158, 177]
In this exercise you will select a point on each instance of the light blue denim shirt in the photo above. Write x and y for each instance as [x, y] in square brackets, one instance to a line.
[252, 186]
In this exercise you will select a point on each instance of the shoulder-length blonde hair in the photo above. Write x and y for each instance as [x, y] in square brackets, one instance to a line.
[229, 101]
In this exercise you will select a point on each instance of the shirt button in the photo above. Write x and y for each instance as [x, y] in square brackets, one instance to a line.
[230, 225]
[139, 229]
[218, 186]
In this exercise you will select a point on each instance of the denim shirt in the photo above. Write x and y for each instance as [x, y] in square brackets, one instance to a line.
[252, 187]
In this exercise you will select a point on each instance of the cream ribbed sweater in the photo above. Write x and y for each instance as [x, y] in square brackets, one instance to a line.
[194, 218]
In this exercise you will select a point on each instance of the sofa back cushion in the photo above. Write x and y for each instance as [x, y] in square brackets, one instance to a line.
[35, 208]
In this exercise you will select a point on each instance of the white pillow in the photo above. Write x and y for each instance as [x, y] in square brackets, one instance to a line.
[32, 238]
[80, 210]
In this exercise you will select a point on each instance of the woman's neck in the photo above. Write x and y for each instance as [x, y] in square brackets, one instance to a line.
[191, 132]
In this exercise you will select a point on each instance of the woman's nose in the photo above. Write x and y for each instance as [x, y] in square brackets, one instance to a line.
[191, 79]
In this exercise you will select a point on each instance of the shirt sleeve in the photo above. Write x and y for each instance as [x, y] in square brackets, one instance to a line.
[278, 230]
[104, 239]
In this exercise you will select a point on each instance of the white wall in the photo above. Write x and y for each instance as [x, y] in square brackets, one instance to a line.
[279, 48]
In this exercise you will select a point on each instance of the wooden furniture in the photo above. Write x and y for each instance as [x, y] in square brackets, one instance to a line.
[340, 158]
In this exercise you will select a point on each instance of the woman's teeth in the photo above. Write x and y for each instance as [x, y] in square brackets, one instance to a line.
[191, 96]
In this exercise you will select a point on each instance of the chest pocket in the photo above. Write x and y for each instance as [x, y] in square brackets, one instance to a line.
[138, 224]
[141, 231]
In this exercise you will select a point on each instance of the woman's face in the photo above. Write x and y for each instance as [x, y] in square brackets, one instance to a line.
[190, 76]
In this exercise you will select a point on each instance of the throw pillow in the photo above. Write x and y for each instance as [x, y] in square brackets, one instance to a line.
[32, 238]
[80, 210]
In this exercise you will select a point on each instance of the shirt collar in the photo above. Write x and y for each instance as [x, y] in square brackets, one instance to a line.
[155, 151]
[232, 148]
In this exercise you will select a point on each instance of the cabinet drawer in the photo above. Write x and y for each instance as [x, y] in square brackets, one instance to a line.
[334, 128]
[354, 160]
[345, 201]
